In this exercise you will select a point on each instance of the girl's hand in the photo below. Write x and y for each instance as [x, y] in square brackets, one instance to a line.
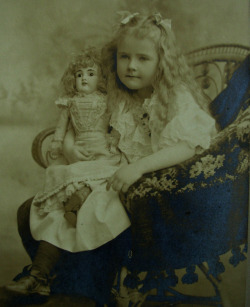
[124, 178]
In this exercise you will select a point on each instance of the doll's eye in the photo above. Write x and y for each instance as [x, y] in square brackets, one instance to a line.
[79, 75]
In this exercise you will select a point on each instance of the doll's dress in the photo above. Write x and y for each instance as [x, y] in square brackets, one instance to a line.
[102, 217]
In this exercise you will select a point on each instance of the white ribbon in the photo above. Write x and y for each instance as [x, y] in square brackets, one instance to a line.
[128, 18]
[166, 23]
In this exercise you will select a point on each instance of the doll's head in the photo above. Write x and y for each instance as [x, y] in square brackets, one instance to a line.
[84, 74]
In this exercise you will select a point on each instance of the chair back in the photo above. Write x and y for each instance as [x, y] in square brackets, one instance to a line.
[213, 67]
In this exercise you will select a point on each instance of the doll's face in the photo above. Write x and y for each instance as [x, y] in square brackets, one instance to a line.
[137, 62]
[87, 79]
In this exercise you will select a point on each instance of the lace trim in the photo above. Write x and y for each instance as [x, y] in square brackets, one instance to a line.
[56, 201]
[86, 115]
[42, 196]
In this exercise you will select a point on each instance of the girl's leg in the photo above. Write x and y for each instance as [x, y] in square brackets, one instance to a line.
[44, 256]
[92, 273]
[23, 222]
[35, 279]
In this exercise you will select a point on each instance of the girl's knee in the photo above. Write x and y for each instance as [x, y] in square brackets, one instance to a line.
[23, 213]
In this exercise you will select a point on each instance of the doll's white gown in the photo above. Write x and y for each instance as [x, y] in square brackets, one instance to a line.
[102, 217]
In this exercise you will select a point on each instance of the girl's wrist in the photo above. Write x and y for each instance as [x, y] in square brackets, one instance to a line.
[139, 167]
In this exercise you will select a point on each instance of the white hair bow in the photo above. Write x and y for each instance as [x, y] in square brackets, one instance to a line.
[165, 23]
[128, 17]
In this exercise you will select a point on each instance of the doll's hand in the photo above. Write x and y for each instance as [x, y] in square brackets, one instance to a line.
[124, 178]
[55, 149]
[78, 153]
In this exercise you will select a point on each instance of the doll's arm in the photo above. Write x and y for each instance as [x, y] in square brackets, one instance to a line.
[68, 143]
[166, 157]
[72, 151]
[59, 135]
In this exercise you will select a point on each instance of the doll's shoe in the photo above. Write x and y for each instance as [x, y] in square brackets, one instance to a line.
[29, 283]
[71, 217]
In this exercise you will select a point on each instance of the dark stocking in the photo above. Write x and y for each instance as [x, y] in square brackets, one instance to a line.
[46, 257]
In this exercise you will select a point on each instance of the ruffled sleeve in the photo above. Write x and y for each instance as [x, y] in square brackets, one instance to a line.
[62, 102]
[63, 120]
[188, 122]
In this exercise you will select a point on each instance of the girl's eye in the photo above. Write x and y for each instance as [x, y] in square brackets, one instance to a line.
[79, 75]
[91, 74]
[124, 56]
[143, 58]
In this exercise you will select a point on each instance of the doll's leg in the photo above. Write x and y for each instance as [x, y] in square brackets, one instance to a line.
[74, 204]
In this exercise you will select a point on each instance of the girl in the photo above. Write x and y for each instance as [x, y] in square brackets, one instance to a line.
[157, 107]
[67, 186]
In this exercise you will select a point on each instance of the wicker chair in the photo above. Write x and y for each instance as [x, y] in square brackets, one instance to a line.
[187, 233]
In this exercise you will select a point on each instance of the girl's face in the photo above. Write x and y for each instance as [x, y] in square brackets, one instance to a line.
[87, 79]
[137, 62]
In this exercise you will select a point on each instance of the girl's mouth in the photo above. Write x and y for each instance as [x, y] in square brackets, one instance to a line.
[131, 76]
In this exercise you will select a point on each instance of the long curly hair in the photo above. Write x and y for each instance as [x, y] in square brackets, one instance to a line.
[86, 58]
[172, 70]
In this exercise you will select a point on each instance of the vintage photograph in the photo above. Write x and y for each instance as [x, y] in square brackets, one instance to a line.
[124, 140]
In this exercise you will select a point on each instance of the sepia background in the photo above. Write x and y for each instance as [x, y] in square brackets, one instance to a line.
[37, 38]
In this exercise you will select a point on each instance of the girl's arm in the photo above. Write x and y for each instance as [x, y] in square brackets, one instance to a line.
[166, 157]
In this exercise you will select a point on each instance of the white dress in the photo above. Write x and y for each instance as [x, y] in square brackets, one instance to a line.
[185, 121]
[102, 217]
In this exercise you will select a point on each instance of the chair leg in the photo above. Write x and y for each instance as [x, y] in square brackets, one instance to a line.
[169, 296]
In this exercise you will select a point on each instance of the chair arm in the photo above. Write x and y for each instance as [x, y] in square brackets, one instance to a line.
[39, 147]
[197, 209]
[232, 140]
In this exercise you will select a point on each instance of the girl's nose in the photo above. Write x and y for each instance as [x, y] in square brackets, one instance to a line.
[132, 64]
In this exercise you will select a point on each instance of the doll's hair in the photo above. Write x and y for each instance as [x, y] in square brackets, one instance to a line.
[86, 58]
[172, 72]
